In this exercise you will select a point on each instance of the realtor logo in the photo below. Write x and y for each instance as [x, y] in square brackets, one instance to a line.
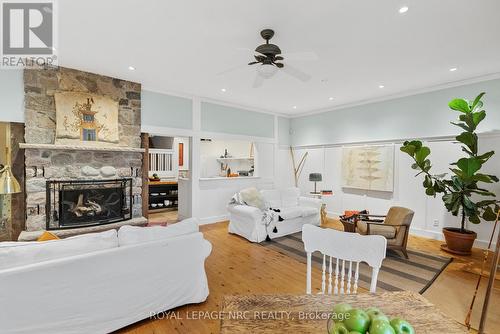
[28, 34]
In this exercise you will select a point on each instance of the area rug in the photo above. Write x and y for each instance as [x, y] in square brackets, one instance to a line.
[397, 273]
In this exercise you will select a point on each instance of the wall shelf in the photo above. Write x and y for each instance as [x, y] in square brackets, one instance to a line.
[234, 159]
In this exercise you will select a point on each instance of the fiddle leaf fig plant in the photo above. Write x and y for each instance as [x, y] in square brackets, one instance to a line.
[461, 191]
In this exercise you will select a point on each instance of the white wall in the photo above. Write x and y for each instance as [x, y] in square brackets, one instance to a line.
[418, 116]
[408, 190]
[216, 194]
[11, 96]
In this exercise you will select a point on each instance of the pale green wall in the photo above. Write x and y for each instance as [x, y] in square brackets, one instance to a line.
[165, 110]
[11, 96]
[417, 116]
[218, 118]
[283, 131]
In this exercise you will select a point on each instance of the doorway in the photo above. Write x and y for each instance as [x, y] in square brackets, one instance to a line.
[168, 174]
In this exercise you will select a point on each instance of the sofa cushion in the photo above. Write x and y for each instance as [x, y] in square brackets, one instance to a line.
[272, 198]
[15, 254]
[290, 213]
[131, 235]
[290, 197]
[377, 229]
[306, 211]
[253, 197]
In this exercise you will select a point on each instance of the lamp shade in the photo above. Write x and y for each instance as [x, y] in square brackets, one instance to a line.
[315, 177]
[8, 183]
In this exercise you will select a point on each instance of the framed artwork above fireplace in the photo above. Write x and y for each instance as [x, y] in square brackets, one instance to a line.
[86, 119]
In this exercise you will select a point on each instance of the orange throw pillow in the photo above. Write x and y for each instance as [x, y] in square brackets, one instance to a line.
[348, 214]
[47, 236]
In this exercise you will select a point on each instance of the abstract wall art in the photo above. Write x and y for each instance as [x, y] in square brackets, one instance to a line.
[368, 167]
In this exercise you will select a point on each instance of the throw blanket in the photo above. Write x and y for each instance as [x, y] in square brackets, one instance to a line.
[269, 217]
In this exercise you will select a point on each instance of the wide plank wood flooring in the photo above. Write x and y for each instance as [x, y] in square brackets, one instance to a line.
[237, 266]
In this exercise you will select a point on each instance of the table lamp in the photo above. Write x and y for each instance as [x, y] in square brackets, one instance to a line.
[315, 177]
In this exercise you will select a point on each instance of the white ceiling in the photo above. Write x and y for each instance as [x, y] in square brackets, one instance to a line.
[181, 46]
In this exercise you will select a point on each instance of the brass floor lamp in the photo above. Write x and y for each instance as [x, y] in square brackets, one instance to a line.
[8, 183]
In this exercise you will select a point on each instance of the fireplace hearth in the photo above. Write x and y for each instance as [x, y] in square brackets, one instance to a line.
[82, 203]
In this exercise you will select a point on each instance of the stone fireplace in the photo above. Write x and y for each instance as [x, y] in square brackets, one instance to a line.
[48, 165]
[83, 203]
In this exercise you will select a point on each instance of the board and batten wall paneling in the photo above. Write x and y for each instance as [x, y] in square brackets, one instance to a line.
[230, 120]
[417, 116]
[11, 96]
[162, 110]
[430, 213]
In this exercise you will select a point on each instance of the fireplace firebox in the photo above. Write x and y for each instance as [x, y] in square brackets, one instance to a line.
[83, 203]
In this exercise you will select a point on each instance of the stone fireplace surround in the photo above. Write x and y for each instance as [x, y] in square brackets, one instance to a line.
[46, 161]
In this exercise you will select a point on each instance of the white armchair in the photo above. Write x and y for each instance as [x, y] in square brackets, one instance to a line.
[291, 212]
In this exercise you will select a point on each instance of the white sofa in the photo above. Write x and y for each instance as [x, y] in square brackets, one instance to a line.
[108, 280]
[295, 210]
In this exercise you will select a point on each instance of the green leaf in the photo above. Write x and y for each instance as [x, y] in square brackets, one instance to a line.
[411, 147]
[474, 219]
[482, 178]
[462, 125]
[494, 178]
[422, 153]
[459, 105]
[427, 182]
[477, 117]
[430, 191]
[486, 202]
[489, 214]
[469, 165]
[467, 118]
[469, 139]
[484, 157]
[483, 193]
[477, 100]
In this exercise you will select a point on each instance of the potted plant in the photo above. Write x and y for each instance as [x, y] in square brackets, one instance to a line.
[461, 191]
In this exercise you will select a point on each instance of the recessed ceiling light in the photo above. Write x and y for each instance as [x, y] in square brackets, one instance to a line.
[223, 90]
[453, 69]
[330, 98]
[403, 9]
[381, 86]
[132, 68]
[294, 107]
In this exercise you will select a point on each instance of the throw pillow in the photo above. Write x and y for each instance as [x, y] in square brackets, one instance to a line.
[252, 197]
[46, 236]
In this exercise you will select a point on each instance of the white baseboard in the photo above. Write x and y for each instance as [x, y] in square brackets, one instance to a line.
[213, 219]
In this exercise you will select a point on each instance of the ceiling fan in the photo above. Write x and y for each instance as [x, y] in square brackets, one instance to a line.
[271, 60]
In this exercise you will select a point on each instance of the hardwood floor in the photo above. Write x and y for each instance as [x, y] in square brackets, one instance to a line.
[238, 267]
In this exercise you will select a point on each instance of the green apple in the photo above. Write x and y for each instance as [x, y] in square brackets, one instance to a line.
[338, 328]
[374, 314]
[381, 327]
[357, 320]
[340, 310]
[402, 326]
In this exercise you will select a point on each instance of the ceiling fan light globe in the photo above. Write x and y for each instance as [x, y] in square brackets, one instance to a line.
[267, 70]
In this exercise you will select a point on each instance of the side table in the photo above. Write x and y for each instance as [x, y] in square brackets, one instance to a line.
[321, 196]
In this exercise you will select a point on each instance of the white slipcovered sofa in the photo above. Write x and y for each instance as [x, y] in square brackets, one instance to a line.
[294, 210]
[100, 282]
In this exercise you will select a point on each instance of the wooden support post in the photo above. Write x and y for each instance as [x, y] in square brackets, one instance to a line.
[489, 289]
[145, 176]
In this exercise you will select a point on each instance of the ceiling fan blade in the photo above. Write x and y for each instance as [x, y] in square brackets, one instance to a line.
[278, 58]
[302, 56]
[254, 62]
[296, 73]
[258, 81]
[279, 65]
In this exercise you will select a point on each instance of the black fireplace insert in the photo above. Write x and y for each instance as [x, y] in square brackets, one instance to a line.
[82, 203]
